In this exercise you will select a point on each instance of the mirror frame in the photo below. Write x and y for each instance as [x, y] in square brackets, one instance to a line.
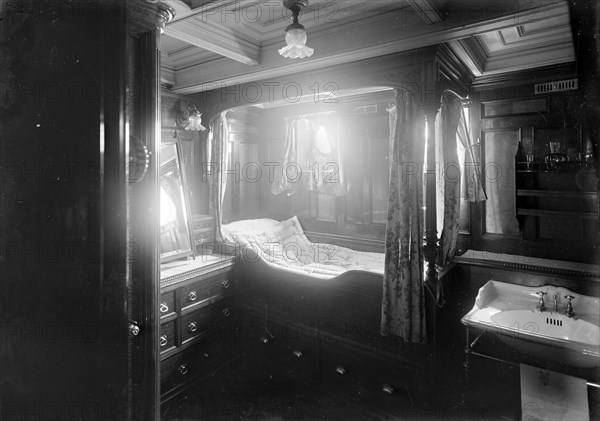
[164, 257]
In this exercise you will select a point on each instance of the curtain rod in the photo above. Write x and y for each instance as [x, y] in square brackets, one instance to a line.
[310, 115]
[450, 91]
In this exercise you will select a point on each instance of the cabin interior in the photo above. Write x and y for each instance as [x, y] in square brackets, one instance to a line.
[403, 223]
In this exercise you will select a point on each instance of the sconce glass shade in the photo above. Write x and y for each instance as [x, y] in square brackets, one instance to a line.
[295, 37]
[195, 122]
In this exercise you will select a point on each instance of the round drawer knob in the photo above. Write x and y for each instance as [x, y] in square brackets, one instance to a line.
[264, 340]
[387, 389]
[192, 296]
[297, 354]
[134, 329]
[163, 340]
[182, 369]
[225, 283]
[164, 307]
[340, 370]
[192, 327]
[226, 312]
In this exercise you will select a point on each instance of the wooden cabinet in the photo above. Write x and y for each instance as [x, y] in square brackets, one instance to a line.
[198, 325]
[557, 202]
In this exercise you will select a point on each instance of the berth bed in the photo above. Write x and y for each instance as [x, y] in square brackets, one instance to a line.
[284, 276]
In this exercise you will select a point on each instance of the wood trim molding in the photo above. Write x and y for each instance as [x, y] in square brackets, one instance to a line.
[346, 241]
[523, 77]
[527, 264]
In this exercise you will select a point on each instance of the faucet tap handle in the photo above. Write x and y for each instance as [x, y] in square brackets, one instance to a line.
[541, 305]
[569, 305]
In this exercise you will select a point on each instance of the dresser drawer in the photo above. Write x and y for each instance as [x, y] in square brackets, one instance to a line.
[166, 305]
[380, 382]
[201, 322]
[179, 370]
[212, 288]
[166, 338]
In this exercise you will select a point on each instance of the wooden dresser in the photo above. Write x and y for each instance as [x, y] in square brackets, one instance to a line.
[198, 328]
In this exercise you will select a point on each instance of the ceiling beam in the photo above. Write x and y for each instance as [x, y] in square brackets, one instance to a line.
[216, 39]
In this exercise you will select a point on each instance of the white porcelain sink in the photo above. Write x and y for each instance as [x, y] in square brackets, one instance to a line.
[548, 325]
[511, 312]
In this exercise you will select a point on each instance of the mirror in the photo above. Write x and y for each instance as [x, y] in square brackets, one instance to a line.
[175, 226]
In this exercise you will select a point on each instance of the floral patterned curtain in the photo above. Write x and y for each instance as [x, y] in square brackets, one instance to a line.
[449, 116]
[403, 304]
[218, 156]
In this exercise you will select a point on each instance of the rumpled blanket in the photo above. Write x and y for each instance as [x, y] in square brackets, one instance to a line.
[284, 245]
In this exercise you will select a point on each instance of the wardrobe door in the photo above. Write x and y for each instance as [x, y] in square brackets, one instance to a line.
[78, 261]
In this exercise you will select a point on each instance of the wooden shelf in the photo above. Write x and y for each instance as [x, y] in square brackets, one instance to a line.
[555, 193]
[550, 213]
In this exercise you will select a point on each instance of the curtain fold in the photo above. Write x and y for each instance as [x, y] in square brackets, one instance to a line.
[286, 178]
[403, 303]
[472, 182]
[449, 117]
[306, 167]
[218, 158]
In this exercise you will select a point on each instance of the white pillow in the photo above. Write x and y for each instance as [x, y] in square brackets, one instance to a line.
[247, 227]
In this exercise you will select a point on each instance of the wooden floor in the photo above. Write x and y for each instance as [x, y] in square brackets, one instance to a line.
[246, 391]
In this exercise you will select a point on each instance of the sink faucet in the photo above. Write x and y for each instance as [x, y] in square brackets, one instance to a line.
[569, 312]
[541, 305]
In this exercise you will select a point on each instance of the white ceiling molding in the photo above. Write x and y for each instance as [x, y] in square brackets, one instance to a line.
[471, 56]
[380, 35]
[541, 56]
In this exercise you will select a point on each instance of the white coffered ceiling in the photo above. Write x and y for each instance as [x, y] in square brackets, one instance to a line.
[214, 43]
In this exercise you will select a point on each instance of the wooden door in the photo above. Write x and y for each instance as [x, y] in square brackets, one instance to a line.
[79, 259]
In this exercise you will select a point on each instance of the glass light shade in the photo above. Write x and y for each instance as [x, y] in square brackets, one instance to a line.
[195, 122]
[296, 43]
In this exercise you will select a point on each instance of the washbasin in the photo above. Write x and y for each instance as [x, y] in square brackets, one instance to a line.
[548, 325]
[511, 312]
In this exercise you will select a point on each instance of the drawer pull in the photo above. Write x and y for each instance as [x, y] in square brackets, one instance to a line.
[182, 369]
[297, 354]
[163, 340]
[206, 355]
[192, 296]
[134, 328]
[340, 370]
[225, 283]
[226, 312]
[387, 389]
[192, 327]
[264, 340]
[164, 307]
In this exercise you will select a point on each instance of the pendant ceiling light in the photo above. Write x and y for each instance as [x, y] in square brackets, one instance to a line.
[295, 34]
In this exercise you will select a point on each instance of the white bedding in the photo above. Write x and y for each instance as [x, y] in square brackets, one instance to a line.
[284, 245]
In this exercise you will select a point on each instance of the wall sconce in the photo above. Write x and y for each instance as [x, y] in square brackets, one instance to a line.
[190, 119]
[295, 34]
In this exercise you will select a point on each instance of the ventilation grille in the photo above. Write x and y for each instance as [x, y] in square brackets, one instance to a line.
[561, 85]
[555, 322]
[368, 109]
